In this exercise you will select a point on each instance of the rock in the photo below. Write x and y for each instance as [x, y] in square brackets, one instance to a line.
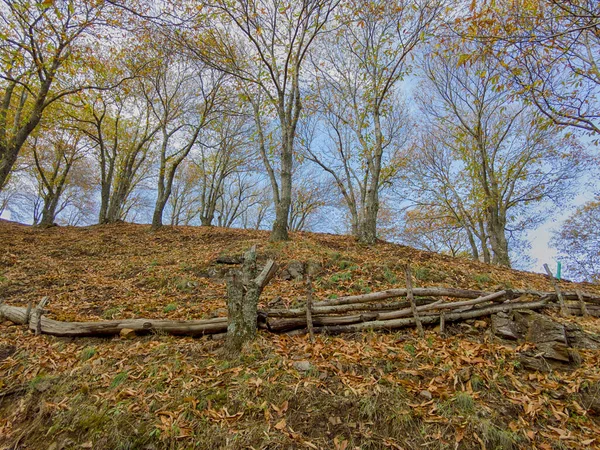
[543, 329]
[285, 275]
[426, 395]
[302, 366]
[504, 327]
[553, 340]
[224, 259]
[554, 350]
[532, 363]
[296, 270]
[314, 268]
[127, 333]
[578, 338]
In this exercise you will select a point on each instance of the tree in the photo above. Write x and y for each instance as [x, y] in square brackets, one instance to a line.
[578, 242]
[511, 156]
[224, 152]
[309, 196]
[434, 230]
[56, 152]
[182, 98]
[358, 71]
[243, 196]
[183, 201]
[121, 126]
[43, 44]
[550, 50]
[264, 44]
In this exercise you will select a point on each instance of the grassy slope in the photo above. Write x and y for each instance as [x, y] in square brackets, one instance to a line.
[362, 391]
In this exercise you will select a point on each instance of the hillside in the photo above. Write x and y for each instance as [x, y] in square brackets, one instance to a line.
[367, 390]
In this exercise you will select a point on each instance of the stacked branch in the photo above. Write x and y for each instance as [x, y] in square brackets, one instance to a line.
[367, 311]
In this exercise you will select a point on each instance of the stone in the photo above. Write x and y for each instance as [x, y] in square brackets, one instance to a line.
[224, 259]
[314, 268]
[296, 270]
[285, 275]
[543, 329]
[503, 327]
[302, 366]
[127, 333]
[426, 395]
[553, 341]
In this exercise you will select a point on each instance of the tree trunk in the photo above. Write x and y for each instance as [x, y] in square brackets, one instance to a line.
[49, 210]
[282, 208]
[498, 241]
[157, 216]
[243, 291]
[7, 161]
[367, 230]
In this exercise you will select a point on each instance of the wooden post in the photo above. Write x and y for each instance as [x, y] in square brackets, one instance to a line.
[243, 291]
[561, 300]
[411, 299]
[309, 301]
[442, 323]
[584, 311]
[35, 319]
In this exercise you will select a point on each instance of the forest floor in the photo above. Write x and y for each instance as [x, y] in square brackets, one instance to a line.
[365, 390]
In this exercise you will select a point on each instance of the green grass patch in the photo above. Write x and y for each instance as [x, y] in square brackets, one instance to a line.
[119, 379]
[88, 353]
[170, 308]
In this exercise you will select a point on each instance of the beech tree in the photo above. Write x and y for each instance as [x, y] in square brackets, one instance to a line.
[264, 44]
[183, 201]
[55, 153]
[358, 71]
[121, 126]
[183, 99]
[44, 45]
[225, 151]
[550, 53]
[578, 242]
[511, 156]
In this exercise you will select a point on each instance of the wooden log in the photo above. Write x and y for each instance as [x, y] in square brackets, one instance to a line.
[443, 323]
[406, 311]
[52, 327]
[309, 298]
[439, 305]
[411, 299]
[563, 309]
[284, 325]
[392, 293]
[583, 308]
[340, 309]
[575, 309]
[430, 319]
[35, 319]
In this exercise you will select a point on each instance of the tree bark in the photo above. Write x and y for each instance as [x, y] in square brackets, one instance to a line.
[52, 327]
[243, 292]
